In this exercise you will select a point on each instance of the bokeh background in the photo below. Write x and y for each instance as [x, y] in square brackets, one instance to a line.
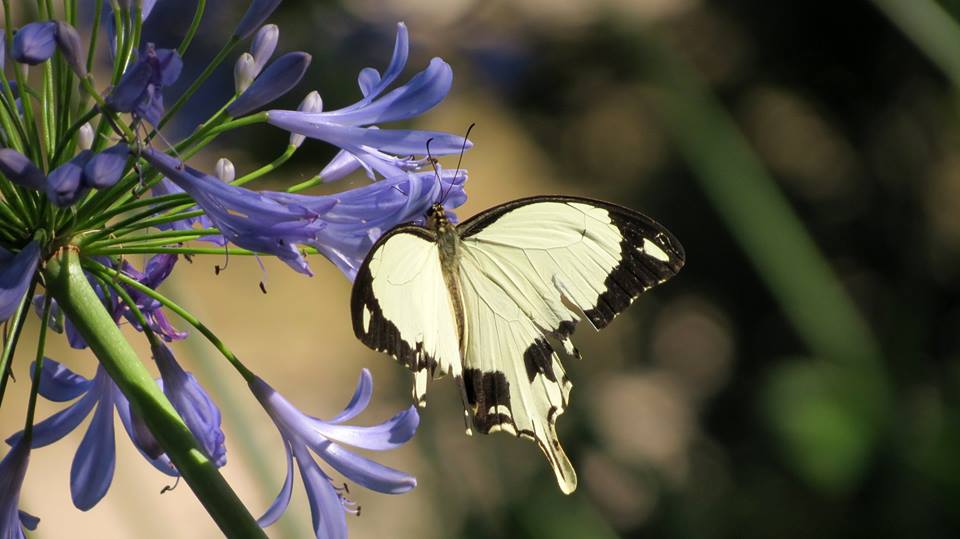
[798, 378]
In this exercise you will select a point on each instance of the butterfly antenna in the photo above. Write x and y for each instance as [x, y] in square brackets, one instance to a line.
[463, 148]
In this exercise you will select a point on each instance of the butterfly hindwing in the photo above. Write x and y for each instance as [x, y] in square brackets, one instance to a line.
[400, 305]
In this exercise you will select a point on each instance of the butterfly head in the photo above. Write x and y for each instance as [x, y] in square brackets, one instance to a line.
[437, 217]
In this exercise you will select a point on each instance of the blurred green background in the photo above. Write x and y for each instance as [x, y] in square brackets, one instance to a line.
[798, 378]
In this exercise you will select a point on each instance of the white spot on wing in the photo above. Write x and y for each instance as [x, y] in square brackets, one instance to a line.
[366, 319]
[652, 249]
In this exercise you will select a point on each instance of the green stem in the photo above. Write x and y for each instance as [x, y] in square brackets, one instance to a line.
[221, 55]
[194, 25]
[94, 32]
[37, 370]
[932, 30]
[67, 283]
[269, 167]
[181, 312]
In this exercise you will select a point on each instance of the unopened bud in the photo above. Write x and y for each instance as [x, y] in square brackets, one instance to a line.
[64, 186]
[85, 136]
[312, 103]
[225, 170]
[105, 169]
[264, 43]
[244, 72]
[35, 42]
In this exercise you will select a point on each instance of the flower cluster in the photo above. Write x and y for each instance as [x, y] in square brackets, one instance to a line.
[86, 187]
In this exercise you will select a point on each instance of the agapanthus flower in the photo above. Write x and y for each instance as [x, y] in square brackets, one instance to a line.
[140, 90]
[16, 272]
[305, 436]
[75, 216]
[95, 459]
[13, 468]
[343, 227]
[157, 269]
[382, 151]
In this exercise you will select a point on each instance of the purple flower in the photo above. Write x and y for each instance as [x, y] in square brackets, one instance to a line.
[380, 150]
[64, 185]
[167, 187]
[258, 12]
[252, 220]
[139, 91]
[343, 226]
[20, 170]
[94, 462]
[16, 272]
[303, 435]
[105, 168]
[279, 78]
[13, 468]
[158, 268]
[35, 42]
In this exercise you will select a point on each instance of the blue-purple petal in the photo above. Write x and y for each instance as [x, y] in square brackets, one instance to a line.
[326, 509]
[60, 384]
[13, 469]
[282, 501]
[93, 465]
[16, 273]
[390, 434]
[424, 91]
[61, 423]
[360, 399]
[363, 471]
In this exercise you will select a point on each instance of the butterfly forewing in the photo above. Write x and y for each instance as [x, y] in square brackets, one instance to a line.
[401, 305]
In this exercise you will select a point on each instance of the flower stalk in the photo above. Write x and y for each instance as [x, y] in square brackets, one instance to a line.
[68, 285]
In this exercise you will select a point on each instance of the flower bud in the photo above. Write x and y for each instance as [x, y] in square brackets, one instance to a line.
[244, 71]
[105, 169]
[279, 78]
[225, 170]
[71, 48]
[312, 103]
[258, 12]
[85, 136]
[264, 43]
[35, 42]
[64, 186]
[20, 170]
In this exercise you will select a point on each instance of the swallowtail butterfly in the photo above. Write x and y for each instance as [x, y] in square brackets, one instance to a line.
[488, 301]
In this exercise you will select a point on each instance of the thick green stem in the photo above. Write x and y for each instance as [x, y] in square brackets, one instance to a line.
[67, 283]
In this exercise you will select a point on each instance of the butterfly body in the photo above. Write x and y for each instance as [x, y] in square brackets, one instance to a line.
[491, 300]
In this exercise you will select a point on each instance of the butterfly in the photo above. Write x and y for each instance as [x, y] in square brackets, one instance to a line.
[489, 302]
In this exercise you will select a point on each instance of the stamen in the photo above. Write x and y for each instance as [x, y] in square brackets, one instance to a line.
[169, 488]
